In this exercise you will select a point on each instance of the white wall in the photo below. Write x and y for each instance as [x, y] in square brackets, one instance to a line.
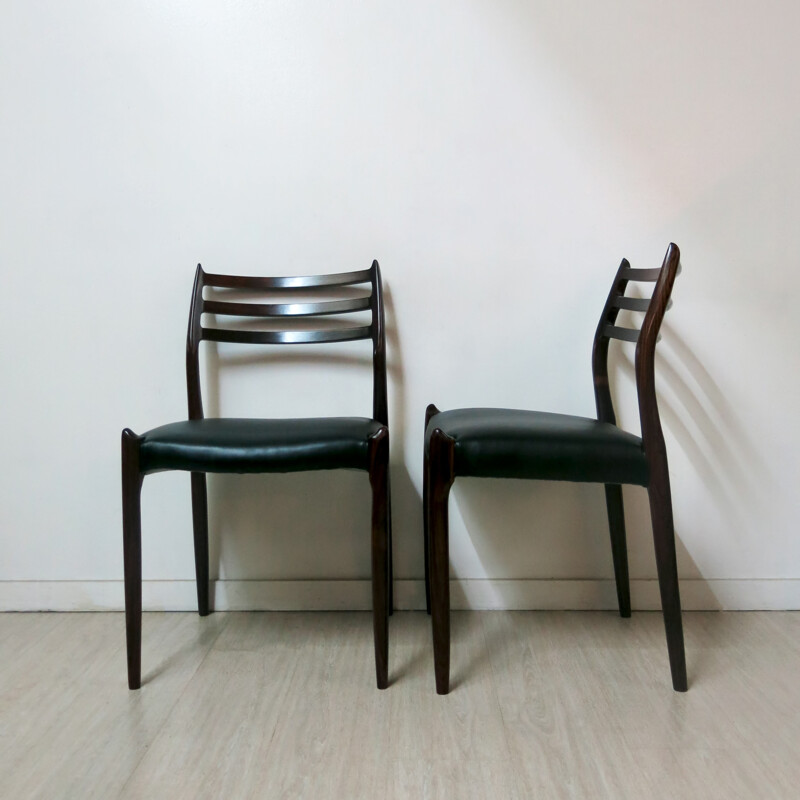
[498, 159]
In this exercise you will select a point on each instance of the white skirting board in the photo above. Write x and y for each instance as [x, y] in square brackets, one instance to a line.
[355, 595]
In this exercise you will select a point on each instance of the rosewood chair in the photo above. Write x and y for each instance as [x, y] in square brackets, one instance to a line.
[200, 445]
[505, 443]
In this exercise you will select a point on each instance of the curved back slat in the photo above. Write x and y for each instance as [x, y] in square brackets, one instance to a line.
[623, 334]
[227, 308]
[290, 282]
[287, 337]
[221, 331]
[645, 275]
[634, 303]
[631, 303]
[324, 320]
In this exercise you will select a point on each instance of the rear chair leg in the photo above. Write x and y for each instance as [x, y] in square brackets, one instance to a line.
[619, 549]
[200, 522]
[132, 550]
[440, 479]
[667, 564]
[379, 480]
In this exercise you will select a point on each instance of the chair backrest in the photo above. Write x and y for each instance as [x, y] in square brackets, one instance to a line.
[645, 338]
[316, 316]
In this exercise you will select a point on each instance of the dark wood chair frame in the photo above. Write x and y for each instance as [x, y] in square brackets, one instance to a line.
[439, 473]
[378, 454]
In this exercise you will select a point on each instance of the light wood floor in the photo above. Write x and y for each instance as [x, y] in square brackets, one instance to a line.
[255, 705]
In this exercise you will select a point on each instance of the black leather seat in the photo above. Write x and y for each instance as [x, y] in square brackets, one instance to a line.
[259, 445]
[508, 443]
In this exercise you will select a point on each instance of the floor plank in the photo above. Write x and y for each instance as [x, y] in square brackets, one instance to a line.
[284, 705]
[69, 726]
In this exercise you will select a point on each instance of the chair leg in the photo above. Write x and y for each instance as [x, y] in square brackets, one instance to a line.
[619, 549]
[200, 522]
[132, 551]
[425, 537]
[430, 411]
[379, 480]
[667, 564]
[390, 546]
[440, 479]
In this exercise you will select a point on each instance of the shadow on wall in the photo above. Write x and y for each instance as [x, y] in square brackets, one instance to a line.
[304, 525]
[535, 529]
[549, 530]
[406, 497]
[714, 440]
[709, 431]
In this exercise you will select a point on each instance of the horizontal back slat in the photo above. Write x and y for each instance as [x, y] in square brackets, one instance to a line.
[624, 334]
[302, 310]
[631, 274]
[292, 282]
[631, 303]
[286, 337]
[634, 303]
[285, 309]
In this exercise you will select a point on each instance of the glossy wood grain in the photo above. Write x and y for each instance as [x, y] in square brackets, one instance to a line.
[332, 308]
[659, 491]
[260, 283]
[200, 530]
[285, 309]
[441, 474]
[430, 412]
[379, 478]
[344, 334]
[132, 554]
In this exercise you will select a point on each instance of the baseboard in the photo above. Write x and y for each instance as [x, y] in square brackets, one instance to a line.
[236, 595]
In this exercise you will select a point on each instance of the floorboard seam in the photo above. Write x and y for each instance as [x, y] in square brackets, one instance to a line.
[512, 760]
[167, 716]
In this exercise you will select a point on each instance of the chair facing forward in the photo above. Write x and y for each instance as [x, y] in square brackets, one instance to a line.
[201, 445]
[505, 443]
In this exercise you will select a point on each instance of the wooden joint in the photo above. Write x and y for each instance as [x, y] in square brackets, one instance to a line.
[441, 458]
[378, 453]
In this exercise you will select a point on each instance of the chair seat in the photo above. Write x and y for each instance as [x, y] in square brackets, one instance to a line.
[259, 445]
[506, 443]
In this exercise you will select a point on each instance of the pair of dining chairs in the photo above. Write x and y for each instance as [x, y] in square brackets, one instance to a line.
[477, 442]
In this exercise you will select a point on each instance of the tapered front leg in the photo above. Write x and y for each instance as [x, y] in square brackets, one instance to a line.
[619, 548]
[389, 542]
[430, 412]
[200, 524]
[132, 553]
[440, 479]
[379, 481]
[667, 564]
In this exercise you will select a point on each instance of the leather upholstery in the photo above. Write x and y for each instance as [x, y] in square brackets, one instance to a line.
[505, 443]
[259, 445]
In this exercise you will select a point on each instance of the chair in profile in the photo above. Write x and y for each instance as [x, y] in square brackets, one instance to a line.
[505, 443]
[199, 445]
